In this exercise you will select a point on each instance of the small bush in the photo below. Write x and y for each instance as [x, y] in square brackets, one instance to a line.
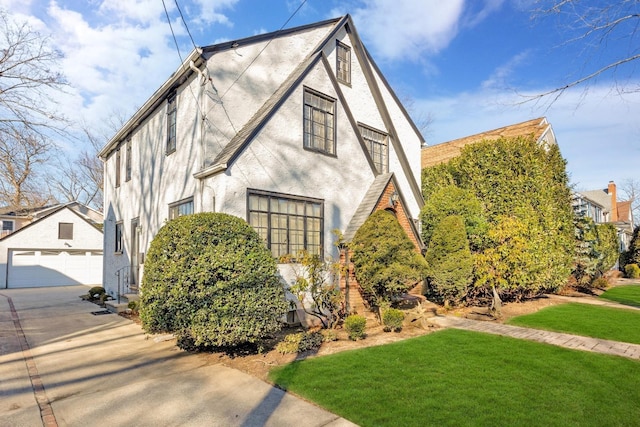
[355, 326]
[299, 342]
[600, 283]
[392, 320]
[134, 306]
[632, 271]
[96, 292]
[329, 335]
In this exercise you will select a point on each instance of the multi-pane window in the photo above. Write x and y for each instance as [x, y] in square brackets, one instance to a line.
[378, 146]
[319, 122]
[287, 224]
[171, 124]
[127, 161]
[343, 63]
[65, 230]
[183, 207]
[119, 238]
[118, 167]
[7, 228]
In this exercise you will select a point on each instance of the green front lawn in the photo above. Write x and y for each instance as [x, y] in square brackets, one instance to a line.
[588, 320]
[462, 378]
[628, 294]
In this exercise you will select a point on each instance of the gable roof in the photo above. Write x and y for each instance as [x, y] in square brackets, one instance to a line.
[539, 128]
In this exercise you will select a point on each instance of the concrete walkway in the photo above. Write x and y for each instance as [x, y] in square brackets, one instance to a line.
[60, 365]
[576, 342]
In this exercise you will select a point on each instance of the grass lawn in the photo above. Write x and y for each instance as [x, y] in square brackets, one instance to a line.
[588, 320]
[629, 295]
[463, 378]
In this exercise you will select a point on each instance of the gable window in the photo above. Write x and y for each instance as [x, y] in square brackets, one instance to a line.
[127, 161]
[65, 230]
[378, 147]
[319, 122]
[171, 124]
[7, 227]
[119, 238]
[118, 167]
[343, 63]
[287, 224]
[182, 207]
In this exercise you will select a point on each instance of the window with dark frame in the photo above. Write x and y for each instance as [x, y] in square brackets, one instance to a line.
[378, 146]
[287, 224]
[182, 207]
[343, 62]
[118, 167]
[319, 122]
[171, 123]
[127, 161]
[65, 230]
[119, 238]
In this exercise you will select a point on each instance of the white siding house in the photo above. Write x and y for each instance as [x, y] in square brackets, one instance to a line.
[289, 130]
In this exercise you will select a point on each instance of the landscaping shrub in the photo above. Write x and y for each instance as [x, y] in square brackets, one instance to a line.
[210, 279]
[386, 262]
[96, 292]
[134, 306]
[632, 271]
[600, 283]
[449, 262]
[299, 342]
[355, 325]
[392, 320]
[632, 255]
[329, 335]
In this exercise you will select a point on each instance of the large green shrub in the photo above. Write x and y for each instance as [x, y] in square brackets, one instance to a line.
[452, 200]
[386, 261]
[449, 260]
[210, 279]
[607, 247]
[355, 326]
[632, 254]
[596, 250]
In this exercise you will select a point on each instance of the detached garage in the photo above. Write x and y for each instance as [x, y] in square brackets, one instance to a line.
[59, 249]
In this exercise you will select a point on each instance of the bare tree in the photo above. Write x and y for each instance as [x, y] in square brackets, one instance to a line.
[594, 27]
[21, 156]
[631, 190]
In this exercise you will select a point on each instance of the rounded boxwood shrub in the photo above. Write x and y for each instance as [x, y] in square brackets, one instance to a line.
[392, 320]
[210, 279]
[355, 326]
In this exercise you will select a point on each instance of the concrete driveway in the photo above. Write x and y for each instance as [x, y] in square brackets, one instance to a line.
[73, 368]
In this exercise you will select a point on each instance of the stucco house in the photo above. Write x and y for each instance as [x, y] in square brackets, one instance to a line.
[297, 131]
[51, 246]
[603, 206]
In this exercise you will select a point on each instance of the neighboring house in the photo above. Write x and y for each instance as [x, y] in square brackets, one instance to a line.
[603, 206]
[540, 129]
[51, 246]
[296, 131]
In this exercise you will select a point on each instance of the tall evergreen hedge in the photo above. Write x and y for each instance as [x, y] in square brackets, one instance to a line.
[210, 279]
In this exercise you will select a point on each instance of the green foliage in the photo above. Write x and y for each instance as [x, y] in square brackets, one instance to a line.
[210, 279]
[632, 255]
[314, 283]
[607, 247]
[355, 325]
[450, 262]
[436, 177]
[300, 342]
[632, 271]
[600, 283]
[134, 306]
[452, 200]
[392, 319]
[386, 261]
[329, 335]
[96, 292]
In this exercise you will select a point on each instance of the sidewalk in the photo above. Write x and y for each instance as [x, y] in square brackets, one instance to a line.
[576, 342]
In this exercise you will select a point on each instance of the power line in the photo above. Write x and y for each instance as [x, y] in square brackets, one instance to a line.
[185, 24]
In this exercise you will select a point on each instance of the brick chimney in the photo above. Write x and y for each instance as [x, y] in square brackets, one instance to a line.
[611, 189]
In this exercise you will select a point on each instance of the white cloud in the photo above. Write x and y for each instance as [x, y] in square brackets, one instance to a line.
[499, 79]
[210, 12]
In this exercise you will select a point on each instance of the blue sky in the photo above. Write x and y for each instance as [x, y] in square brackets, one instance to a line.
[468, 65]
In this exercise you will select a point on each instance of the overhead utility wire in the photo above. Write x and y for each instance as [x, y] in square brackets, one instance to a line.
[185, 24]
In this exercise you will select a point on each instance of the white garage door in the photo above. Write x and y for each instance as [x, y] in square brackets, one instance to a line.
[30, 268]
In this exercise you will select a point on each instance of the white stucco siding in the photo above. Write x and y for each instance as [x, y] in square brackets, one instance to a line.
[276, 161]
[43, 234]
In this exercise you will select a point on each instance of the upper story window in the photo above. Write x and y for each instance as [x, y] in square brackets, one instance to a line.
[182, 207]
[343, 63]
[319, 122]
[65, 230]
[171, 123]
[118, 167]
[378, 146]
[7, 227]
[127, 161]
[287, 224]
[119, 240]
